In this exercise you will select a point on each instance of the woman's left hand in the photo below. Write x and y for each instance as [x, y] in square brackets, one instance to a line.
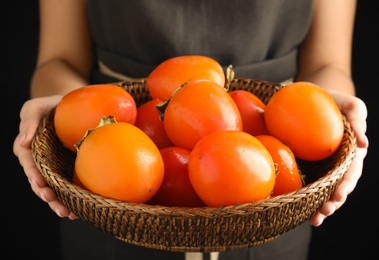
[355, 111]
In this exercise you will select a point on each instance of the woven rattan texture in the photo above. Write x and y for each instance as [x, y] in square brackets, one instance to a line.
[202, 229]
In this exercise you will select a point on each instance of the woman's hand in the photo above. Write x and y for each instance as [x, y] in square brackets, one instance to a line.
[31, 114]
[355, 111]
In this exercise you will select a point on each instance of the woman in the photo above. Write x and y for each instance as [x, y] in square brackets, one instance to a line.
[86, 42]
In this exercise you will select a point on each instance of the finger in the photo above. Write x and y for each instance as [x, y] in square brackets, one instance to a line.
[31, 113]
[72, 216]
[48, 195]
[351, 177]
[356, 113]
[317, 219]
[346, 186]
[59, 209]
[45, 193]
[27, 162]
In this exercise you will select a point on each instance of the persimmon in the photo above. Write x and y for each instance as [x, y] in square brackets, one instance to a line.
[307, 119]
[83, 108]
[288, 177]
[176, 188]
[199, 108]
[252, 111]
[118, 160]
[148, 120]
[174, 72]
[230, 167]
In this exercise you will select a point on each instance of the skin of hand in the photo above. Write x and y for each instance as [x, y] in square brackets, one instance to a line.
[356, 113]
[325, 59]
[63, 64]
[31, 113]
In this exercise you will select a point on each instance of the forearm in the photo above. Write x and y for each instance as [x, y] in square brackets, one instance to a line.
[55, 77]
[325, 55]
[331, 78]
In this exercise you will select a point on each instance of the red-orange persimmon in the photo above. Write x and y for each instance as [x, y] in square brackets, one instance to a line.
[252, 111]
[148, 121]
[288, 176]
[307, 119]
[83, 108]
[199, 108]
[176, 188]
[174, 72]
[231, 167]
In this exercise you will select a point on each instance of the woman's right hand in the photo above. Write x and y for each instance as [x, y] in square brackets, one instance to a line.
[32, 112]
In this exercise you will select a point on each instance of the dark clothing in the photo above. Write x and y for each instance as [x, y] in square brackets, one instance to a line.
[259, 38]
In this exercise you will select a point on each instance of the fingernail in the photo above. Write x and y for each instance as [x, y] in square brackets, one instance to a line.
[367, 141]
[33, 182]
[22, 138]
[43, 197]
[57, 211]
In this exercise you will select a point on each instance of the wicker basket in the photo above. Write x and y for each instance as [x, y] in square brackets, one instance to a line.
[202, 229]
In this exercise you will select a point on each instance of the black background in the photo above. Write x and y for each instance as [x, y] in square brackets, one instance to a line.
[31, 227]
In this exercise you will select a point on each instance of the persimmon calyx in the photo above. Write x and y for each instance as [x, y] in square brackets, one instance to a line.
[105, 120]
[161, 107]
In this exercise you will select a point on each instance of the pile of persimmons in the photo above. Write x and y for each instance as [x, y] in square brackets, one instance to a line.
[195, 143]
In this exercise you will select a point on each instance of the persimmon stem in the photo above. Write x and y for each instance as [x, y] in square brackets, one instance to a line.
[105, 120]
[161, 107]
[229, 76]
